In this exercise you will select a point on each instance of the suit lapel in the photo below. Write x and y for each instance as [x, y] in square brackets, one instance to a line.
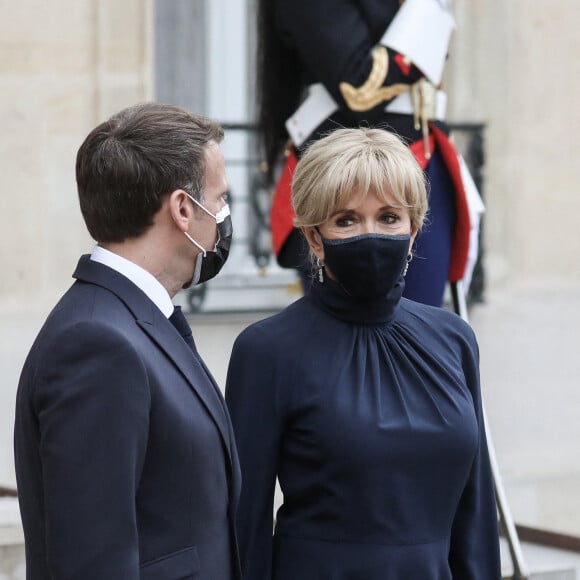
[162, 332]
[166, 337]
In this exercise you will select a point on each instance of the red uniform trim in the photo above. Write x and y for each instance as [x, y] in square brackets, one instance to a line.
[460, 247]
[403, 66]
[418, 150]
[282, 212]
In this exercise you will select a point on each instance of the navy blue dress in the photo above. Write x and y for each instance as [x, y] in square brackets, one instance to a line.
[370, 416]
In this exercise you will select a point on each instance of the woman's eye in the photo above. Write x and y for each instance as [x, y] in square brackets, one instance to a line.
[344, 221]
[389, 218]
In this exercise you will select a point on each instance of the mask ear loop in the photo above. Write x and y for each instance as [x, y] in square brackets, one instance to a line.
[195, 243]
[409, 260]
[201, 206]
[215, 217]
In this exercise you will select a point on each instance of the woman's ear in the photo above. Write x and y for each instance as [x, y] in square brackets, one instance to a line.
[314, 240]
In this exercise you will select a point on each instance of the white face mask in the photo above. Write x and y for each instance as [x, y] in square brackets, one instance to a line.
[209, 262]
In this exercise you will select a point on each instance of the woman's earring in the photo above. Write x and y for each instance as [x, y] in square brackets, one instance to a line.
[409, 258]
[320, 268]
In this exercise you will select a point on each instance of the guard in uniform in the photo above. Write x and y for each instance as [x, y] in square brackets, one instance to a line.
[349, 63]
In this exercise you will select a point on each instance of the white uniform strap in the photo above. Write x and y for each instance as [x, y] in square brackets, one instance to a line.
[421, 31]
[317, 107]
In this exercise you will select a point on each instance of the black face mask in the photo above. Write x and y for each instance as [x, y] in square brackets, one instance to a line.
[367, 266]
[209, 262]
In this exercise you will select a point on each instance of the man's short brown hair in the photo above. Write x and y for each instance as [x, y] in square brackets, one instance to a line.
[128, 164]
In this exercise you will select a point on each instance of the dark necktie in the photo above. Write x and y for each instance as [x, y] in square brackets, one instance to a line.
[182, 326]
[178, 320]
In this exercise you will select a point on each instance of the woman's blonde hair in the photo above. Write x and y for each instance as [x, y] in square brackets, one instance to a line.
[356, 160]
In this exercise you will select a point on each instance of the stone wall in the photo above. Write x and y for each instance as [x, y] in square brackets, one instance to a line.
[515, 66]
[64, 66]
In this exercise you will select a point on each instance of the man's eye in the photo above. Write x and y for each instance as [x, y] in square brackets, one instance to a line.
[226, 197]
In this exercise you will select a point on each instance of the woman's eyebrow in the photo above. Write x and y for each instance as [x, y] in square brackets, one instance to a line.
[388, 206]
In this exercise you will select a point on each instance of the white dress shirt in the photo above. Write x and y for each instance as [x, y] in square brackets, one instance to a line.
[140, 277]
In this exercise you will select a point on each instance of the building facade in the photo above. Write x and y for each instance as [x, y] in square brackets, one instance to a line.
[68, 64]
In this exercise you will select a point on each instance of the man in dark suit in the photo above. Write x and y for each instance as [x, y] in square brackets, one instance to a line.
[125, 459]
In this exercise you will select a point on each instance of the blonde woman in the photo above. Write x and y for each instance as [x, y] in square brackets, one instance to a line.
[365, 405]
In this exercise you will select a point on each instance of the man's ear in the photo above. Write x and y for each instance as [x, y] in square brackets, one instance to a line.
[180, 209]
[314, 240]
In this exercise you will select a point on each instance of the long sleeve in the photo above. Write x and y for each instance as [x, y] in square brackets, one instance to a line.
[474, 551]
[92, 405]
[336, 42]
[253, 404]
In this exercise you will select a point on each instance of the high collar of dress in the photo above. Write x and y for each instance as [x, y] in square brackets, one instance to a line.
[332, 298]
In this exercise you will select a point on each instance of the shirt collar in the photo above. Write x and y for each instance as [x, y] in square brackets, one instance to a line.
[139, 276]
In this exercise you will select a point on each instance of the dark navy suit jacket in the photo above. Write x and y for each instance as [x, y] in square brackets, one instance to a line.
[125, 459]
